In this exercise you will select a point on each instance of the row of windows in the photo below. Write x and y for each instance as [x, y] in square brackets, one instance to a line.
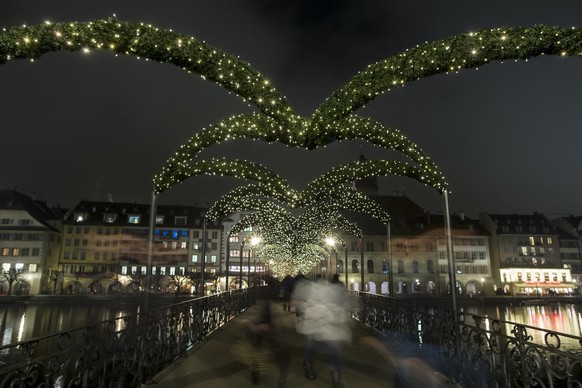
[142, 270]
[82, 255]
[536, 277]
[235, 253]
[533, 251]
[528, 250]
[76, 269]
[521, 229]
[527, 261]
[137, 245]
[213, 259]
[19, 236]
[20, 222]
[464, 256]
[23, 252]
[468, 269]
[570, 256]
[19, 267]
[412, 246]
[162, 233]
[110, 218]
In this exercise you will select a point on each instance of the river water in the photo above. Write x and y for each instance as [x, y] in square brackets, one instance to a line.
[22, 321]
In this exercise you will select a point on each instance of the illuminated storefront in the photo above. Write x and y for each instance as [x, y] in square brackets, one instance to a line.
[537, 281]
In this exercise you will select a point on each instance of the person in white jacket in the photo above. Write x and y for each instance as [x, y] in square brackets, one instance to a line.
[325, 320]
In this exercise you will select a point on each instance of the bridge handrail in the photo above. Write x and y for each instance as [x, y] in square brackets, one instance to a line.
[125, 351]
[486, 352]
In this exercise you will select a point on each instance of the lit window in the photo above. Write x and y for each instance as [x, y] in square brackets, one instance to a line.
[5, 251]
[109, 217]
[184, 245]
[124, 269]
[32, 268]
[213, 258]
[133, 269]
[162, 270]
[134, 219]
[233, 239]
[549, 240]
[159, 220]
[195, 245]
[172, 270]
[16, 252]
[6, 266]
[144, 270]
[195, 258]
[80, 217]
[19, 266]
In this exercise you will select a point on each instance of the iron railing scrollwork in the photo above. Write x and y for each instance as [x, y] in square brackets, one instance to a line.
[122, 352]
[476, 351]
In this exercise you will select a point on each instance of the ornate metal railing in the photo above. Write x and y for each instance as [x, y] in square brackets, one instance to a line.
[122, 352]
[477, 351]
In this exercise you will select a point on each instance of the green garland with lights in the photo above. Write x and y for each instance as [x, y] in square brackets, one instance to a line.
[151, 43]
[277, 122]
[260, 127]
[300, 242]
[464, 51]
[338, 197]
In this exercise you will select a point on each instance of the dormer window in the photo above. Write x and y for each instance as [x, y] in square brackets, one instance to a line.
[134, 219]
[109, 218]
[181, 220]
[80, 217]
[159, 220]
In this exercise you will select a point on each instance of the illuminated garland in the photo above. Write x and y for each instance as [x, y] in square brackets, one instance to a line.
[260, 127]
[339, 197]
[370, 168]
[287, 237]
[222, 167]
[149, 42]
[451, 54]
[464, 51]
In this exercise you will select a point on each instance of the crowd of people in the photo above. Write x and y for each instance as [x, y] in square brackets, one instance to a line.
[322, 311]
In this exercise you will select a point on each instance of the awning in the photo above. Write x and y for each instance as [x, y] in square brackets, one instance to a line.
[544, 285]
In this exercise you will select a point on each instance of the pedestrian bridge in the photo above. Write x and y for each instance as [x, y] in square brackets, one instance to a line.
[202, 342]
[226, 357]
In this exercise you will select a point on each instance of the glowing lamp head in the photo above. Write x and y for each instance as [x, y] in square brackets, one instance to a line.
[255, 240]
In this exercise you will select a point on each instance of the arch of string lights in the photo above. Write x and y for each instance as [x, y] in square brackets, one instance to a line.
[292, 244]
[277, 122]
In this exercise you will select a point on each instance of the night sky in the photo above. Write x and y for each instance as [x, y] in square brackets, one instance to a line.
[96, 126]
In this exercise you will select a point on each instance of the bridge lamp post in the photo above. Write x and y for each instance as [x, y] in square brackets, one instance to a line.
[330, 241]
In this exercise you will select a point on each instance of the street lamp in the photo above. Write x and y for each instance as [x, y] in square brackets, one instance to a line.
[255, 240]
[330, 241]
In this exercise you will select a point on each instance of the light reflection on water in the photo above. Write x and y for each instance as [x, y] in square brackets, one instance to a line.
[19, 322]
[558, 317]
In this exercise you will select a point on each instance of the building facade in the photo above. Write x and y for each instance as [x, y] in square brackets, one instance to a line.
[29, 242]
[526, 253]
[106, 245]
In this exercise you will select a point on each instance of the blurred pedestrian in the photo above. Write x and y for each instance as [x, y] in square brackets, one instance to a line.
[287, 286]
[408, 372]
[326, 321]
[267, 334]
